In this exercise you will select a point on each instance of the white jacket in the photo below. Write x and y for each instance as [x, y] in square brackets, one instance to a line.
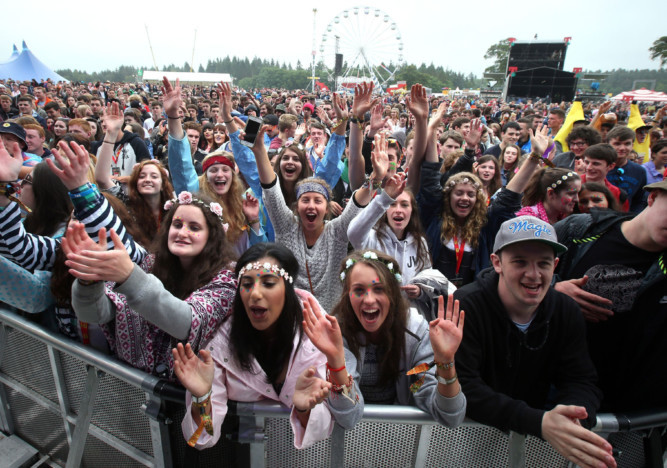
[362, 235]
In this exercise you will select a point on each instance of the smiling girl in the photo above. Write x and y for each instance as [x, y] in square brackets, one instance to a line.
[262, 353]
[509, 163]
[551, 195]
[380, 339]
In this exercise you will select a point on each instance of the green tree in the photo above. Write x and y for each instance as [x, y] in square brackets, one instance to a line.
[659, 50]
[499, 53]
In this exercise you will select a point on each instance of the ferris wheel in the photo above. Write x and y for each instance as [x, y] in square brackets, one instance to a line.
[370, 44]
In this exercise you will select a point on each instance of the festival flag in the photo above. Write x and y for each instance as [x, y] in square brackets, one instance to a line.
[634, 122]
[575, 113]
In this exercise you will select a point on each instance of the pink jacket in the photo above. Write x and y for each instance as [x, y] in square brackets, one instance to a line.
[231, 382]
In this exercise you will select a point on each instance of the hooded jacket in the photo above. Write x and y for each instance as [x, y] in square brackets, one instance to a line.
[507, 374]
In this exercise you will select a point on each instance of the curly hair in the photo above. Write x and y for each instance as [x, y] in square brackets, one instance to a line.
[245, 341]
[413, 227]
[475, 221]
[392, 332]
[232, 201]
[216, 254]
[147, 223]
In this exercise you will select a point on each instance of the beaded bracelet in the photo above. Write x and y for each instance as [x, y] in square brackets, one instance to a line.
[445, 365]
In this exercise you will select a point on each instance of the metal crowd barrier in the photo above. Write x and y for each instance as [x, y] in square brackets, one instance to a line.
[80, 407]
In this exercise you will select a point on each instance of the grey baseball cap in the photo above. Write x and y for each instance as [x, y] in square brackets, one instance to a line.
[524, 229]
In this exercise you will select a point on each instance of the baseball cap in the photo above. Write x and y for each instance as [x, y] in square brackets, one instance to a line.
[525, 229]
[662, 185]
[270, 119]
[280, 107]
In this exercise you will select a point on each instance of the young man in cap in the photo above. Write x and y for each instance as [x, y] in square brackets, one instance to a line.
[521, 339]
[616, 269]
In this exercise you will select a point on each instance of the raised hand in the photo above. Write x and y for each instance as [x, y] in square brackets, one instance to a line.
[446, 332]
[474, 136]
[340, 106]
[379, 157]
[77, 240]
[377, 121]
[225, 93]
[96, 265]
[195, 373]
[251, 207]
[395, 186]
[417, 102]
[436, 119]
[11, 161]
[73, 162]
[324, 332]
[113, 119]
[362, 101]
[171, 97]
[309, 390]
[539, 139]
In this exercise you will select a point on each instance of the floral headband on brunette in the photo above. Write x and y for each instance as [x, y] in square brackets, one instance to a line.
[451, 183]
[562, 179]
[267, 267]
[186, 198]
[369, 255]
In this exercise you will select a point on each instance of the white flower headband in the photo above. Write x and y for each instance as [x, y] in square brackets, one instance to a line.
[451, 183]
[562, 179]
[267, 267]
[369, 255]
[186, 198]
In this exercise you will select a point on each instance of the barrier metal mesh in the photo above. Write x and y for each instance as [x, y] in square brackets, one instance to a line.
[372, 444]
[280, 451]
[467, 446]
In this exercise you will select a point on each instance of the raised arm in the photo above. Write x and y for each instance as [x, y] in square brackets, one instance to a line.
[539, 140]
[172, 102]
[418, 106]
[113, 121]
[266, 174]
[361, 104]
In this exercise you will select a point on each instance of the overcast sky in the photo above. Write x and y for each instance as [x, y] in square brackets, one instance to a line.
[95, 35]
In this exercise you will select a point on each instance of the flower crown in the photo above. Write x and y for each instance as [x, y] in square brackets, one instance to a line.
[186, 198]
[369, 255]
[267, 267]
[451, 183]
[562, 179]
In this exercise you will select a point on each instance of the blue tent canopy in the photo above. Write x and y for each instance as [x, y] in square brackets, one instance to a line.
[25, 66]
[15, 53]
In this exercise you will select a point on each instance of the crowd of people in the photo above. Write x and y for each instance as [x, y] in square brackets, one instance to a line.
[496, 260]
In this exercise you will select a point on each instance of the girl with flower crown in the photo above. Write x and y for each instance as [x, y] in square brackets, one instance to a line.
[262, 353]
[387, 348]
[148, 187]
[219, 180]
[551, 195]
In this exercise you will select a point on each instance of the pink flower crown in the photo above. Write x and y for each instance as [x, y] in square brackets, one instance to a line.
[186, 198]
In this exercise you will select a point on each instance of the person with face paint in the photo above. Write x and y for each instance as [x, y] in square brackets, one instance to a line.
[387, 347]
[262, 353]
[318, 245]
[596, 196]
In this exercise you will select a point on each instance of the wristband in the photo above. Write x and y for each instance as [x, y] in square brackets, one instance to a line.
[173, 118]
[110, 142]
[444, 381]
[228, 121]
[201, 400]
[445, 365]
[335, 370]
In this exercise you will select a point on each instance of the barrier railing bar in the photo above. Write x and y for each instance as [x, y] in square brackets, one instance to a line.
[6, 421]
[337, 447]
[517, 450]
[159, 439]
[88, 355]
[83, 419]
[423, 443]
[63, 399]
[257, 448]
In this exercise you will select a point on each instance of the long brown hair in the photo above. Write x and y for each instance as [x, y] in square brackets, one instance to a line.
[495, 183]
[146, 221]
[413, 227]
[476, 219]
[232, 201]
[290, 195]
[392, 331]
[542, 180]
[217, 253]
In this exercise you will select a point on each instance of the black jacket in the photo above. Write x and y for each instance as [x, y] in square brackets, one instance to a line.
[629, 350]
[506, 375]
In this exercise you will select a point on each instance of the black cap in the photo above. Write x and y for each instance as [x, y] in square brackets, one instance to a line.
[14, 129]
[270, 119]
